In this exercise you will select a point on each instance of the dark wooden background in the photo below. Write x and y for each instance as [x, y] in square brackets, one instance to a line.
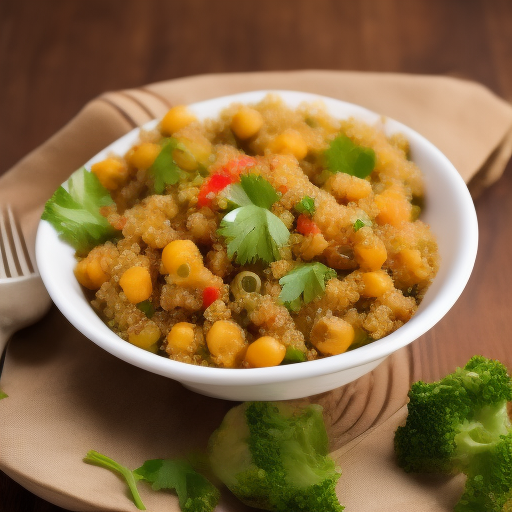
[55, 55]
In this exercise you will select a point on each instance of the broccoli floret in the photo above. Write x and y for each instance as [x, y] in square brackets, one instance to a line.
[455, 418]
[274, 456]
[489, 480]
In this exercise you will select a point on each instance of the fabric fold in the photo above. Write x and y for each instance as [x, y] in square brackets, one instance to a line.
[67, 396]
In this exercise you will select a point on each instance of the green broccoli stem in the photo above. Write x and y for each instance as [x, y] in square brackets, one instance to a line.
[96, 458]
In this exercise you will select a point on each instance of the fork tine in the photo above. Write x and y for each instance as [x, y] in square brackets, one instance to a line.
[3, 256]
[19, 244]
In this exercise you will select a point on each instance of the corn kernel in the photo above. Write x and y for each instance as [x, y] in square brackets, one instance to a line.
[184, 263]
[412, 259]
[193, 154]
[111, 172]
[177, 118]
[394, 208]
[136, 284]
[246, 123]
[290, 142]
[376, 284]
[372, 255]
[180, 339]
[265, 351]
[226, 343]
[313, 245]
[143, 155]
[82, 276]
[89, 273]
[332, 335]
[147, 338]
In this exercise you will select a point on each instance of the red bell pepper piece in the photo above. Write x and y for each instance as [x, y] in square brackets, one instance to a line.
[306, 226]
[219, 180]
[210, 295]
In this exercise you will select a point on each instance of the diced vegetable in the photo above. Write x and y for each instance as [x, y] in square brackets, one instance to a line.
[306, 226]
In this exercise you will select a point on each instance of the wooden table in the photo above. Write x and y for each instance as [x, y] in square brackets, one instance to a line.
[56, 55]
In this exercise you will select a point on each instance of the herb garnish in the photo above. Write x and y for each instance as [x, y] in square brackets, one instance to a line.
[306, 205]
[165, 170]
[304, 283]
[195, 492]
[75, 213]
[345, 156]
[252, 231]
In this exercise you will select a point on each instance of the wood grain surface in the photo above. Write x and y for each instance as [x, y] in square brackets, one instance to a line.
[56, 55]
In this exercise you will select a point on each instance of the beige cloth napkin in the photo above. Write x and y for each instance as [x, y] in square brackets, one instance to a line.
[67, 396]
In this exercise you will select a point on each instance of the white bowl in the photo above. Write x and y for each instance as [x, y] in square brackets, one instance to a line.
[449, 212]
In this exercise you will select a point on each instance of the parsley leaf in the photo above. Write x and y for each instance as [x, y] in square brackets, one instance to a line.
[252, 189]
[98, 459]
[306, 281]
[195, 492]
[253, 232]
[165, 170]
[345, 156]
[75, 213]
[306, 205]
[3, 395]
[358, 224]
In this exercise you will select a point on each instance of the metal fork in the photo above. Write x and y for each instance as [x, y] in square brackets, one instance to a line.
[23, 297]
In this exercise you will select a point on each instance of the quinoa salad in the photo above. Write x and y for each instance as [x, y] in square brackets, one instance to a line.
[266, 236]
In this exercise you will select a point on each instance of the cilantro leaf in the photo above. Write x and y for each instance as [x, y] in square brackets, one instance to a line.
[236, 196]
[306, 205]
[75, 213]
[253, 232]
[195, 492]
[345, 156]
[165, 170]
[3, 395]
[252, 189]
[306, 281]
[358, 224]
[259, 190]
[98, 459]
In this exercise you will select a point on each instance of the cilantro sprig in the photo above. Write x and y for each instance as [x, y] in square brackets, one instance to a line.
[195, 492]
[252, 231]
[75, 212]
[304, 284]
[345, 156]
[3, 394]
[98, 459]
[165, 170]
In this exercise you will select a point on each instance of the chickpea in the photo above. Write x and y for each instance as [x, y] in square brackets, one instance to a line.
[181, 339]
[265, 351]
[136, 284]
[246, 123]
[177, 118]
[226, 343]
[290, 142]
[143, 155]
[147, 338]
[376, 284]
[111, 172]
[332, 335]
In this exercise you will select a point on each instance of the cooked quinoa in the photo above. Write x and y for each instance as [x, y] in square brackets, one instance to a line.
[273, 236]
